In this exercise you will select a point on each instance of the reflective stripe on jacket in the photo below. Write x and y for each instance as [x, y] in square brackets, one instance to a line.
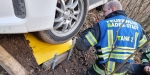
[110, 68]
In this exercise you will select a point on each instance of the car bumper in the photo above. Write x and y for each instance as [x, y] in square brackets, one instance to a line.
[39, 15]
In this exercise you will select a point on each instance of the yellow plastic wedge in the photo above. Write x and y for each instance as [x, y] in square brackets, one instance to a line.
[43, 51]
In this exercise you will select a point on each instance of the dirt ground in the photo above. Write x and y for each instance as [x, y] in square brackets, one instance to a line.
[18, 47]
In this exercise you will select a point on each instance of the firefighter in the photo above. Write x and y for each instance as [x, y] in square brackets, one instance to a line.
[146, 62]
[103, 37]
[144, 68]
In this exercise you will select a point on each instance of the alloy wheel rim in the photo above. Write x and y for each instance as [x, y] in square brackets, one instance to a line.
[68, 16]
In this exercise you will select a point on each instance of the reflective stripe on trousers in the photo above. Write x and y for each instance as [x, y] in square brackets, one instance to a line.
[110, 69]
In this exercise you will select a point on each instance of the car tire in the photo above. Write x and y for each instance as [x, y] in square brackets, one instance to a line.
[74, 21]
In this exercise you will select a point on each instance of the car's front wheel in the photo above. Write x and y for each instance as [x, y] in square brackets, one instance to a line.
[69, 18]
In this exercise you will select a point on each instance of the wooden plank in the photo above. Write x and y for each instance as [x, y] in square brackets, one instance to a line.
[12, 66]
[48, 64]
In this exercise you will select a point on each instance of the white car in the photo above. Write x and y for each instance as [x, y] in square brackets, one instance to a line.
[55, 21]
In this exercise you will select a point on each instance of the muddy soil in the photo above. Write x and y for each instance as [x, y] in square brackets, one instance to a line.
[18, 47]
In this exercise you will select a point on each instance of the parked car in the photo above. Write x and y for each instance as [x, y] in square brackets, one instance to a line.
[55, 21]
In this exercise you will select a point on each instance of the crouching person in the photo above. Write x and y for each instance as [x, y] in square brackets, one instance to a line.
[103, 35]
[141, 69]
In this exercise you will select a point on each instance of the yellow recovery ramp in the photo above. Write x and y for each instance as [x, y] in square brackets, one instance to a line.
[43, 51]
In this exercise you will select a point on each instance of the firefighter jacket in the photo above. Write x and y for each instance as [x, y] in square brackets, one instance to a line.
[126, 41]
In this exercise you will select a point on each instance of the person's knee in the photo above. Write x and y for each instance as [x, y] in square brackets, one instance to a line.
[136, 69]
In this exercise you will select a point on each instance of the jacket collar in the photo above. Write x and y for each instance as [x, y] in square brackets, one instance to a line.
[116, 13]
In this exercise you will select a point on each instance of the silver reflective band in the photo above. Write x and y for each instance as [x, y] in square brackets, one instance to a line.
[142, 41]
[135, 39]
[148, 55]
[144, 60]
[91, 39]
[111, 66]
[148, 50]
[98, 70]
[110, 38]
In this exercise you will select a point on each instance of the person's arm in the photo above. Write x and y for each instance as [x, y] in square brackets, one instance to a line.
[88, 38]
[146, 55]
[146, 51]
[144, 38]
[144, 58]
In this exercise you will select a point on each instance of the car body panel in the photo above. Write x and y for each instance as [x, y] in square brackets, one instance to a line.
[95, 3]
[37, 16]
[9, 23]
[40, 15]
